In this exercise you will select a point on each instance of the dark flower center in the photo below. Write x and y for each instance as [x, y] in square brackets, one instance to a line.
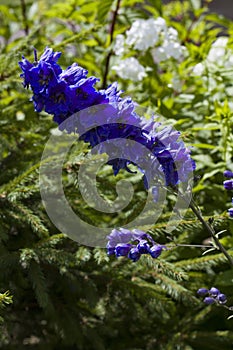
[81, 93]
[58, 97]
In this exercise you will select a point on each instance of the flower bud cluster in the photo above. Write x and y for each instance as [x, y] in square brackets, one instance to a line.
[132, 244]
[212, 296]
[228, 185]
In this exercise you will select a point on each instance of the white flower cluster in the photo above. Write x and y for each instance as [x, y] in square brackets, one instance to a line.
[218, 55]
[170, 48]
[131, 69]
[143, 35]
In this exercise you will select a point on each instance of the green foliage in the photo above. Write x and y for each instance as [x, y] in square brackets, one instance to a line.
[67, 296]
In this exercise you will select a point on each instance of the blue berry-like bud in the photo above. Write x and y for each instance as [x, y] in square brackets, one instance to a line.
[214, 291]
[209, 300]
[122, 249]
[228, 173]
[228, 184]
[230, 211]
[155, 251]
[202, 292]
[222, 298]
[134, 254]
[143, 247]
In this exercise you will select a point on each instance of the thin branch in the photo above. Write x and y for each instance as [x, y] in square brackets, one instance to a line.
[111, 32]
[209, 229]
[24, 14]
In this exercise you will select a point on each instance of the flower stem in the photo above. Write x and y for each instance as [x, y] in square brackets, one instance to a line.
[111, 31]
[210, 229]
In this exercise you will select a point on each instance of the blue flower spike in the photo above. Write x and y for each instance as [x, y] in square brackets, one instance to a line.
[64, 93]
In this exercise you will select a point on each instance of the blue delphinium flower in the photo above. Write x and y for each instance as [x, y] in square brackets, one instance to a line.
[69, 95]
[133, 244]
[213, 295]
[42, 73]
[58, 92]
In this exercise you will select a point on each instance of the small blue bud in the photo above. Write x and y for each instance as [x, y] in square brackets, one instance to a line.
[209, 300]
[155, 251]
[230, 211]
[228, 173]
[228, 184]
[202, 292]
[214, 291]
[134, 254]
[222, 298]
[143, 247]
[122, 249]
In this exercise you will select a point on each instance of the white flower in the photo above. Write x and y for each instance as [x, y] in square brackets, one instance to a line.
[167, 50]
[171, 34]
[218, 50]
[159, 54]
[119, 45]
[229, 60]
[130, 68]
[173, 49]
[176, 84]
[198, 69]
[160, 23]
[144, 33]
